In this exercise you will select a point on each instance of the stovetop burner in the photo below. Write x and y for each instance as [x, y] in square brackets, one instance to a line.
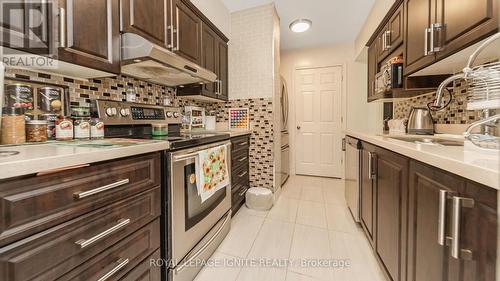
[185, 140]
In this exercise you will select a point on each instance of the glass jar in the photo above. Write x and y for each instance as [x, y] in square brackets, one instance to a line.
[82, 128]
[13, 126]
[96, 129]
[159, 130]
[64, 128]
[36, 131]
[80, 111]
[51, 124]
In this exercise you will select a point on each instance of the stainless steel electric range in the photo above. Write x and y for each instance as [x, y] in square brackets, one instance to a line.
[191, 229]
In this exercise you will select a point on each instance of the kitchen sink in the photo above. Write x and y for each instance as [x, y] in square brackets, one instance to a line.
[425, 140]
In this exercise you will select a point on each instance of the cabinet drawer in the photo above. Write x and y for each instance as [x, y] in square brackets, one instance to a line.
[239, 143]
[36, 203]
[239, 159]
[240, 175]
[115, 262]
[144, 271]
[53, 252]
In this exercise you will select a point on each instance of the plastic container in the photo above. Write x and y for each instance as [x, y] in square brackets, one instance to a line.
[13, 125]
[64, 128]
[159, 130]
[36, 131]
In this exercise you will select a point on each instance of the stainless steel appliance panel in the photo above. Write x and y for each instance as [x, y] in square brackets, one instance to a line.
[284, 105]
[285, 164]
[353, 176]
[192, 219]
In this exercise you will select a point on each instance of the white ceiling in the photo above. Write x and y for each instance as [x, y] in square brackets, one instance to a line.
[333, 21]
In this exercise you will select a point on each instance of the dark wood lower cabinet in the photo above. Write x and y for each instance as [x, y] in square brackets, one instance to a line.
[409, 211]
[429, 259]
[64, 226]
[391, 193]
[240, 171]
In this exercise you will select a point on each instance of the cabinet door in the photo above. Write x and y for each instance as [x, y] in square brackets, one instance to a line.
[396, 28]
[419, 14]
[392, 187]
[372, 69]
[27, 26]
[92, 36]
[209, 42]
[479, 233]
[148, 18]
[427, 259]
[222, 71]
[382, 50]
[368, 189]
[188, 32]
[466, 22]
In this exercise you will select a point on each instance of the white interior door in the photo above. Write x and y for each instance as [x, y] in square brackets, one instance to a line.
[318, 93]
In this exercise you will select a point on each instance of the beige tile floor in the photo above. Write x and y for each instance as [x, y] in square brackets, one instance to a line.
[309, 222]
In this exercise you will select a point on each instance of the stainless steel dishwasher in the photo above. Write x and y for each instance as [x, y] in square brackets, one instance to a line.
[353, 175]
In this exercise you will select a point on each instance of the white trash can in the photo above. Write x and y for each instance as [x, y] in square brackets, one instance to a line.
[259, 198]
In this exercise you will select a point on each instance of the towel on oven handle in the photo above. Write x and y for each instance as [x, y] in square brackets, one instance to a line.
[212, 172]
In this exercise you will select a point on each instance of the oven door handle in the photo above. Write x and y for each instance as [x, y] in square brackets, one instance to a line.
[183, 157]
[204, 247]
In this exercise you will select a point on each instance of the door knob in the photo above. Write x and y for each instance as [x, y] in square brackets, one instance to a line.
[298, 127]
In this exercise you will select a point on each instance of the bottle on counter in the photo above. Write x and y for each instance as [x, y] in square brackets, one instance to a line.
[13, 125]
[82, 128]
[96, 129]
[36, 131]
[64, 128]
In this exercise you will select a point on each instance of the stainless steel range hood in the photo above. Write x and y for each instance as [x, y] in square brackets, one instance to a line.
[147, 61]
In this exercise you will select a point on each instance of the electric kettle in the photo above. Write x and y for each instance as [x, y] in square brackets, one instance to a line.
[420, 121]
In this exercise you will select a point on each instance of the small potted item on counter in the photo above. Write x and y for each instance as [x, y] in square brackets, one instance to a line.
[158, 130]
[49, 99]
[19, 95]
[36, 131]
[82, 128]
[64, 128]
[96, 129]
[13, 125]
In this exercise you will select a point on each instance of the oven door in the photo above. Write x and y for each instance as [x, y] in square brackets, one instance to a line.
[192, 219]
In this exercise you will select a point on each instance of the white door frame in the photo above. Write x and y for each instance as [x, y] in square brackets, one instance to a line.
[292, 127]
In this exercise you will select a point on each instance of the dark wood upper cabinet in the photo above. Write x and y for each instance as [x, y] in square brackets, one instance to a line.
[372, 68]
[187, 35]
[391, 36]
[209, 41]
[92, 35]
[222, 68]
[464, 23]
[368, 192]
[148, 18]
[391, 190]
[418, 20]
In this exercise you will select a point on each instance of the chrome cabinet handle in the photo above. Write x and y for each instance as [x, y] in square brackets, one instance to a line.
[243, 192]
[83, 194]
[426, 42]
[121, 264]
[435, 27]
[243, 143]
[443, 197]
[62, 28]
[170, 44]
[220, 87]
[387, 35]
[242, 174]
[177, 29]
[383, 42]
[87, 242]
[243, 159]
[371, 173]
[458, 204]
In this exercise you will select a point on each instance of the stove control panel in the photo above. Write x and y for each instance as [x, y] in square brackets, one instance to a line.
[127, 113]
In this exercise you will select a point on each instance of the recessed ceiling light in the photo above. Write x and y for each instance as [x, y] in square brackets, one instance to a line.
[300, 25]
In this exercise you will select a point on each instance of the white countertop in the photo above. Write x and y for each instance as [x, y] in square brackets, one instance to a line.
[482, 166]
[35, 158]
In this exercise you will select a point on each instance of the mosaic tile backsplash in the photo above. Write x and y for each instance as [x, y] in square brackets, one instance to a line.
[261, 110]
[455, 113]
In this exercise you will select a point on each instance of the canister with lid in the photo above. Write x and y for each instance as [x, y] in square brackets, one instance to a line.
[19, 95]
[36, 131]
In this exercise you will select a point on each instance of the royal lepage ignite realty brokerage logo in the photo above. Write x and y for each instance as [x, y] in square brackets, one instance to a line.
[27, 33]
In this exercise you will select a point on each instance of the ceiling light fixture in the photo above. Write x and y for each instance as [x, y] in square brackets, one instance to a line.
[300, 25]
